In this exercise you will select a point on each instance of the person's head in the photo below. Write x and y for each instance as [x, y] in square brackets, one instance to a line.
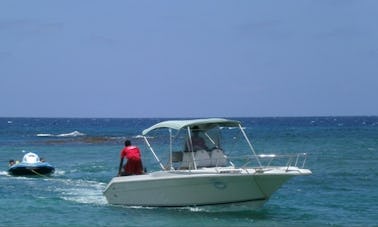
[127, 143]
[11, 162]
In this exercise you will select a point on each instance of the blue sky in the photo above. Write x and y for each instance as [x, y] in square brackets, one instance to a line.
[195, 58]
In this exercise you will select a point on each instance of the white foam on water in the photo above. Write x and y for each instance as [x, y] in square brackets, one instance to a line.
[82, 191]
[70, 134]
[195, 209]
[59, 172]
[4, 173]
[137, 207]
[74, 133]
[44, 135]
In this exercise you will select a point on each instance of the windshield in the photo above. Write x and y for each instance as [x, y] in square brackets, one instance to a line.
[191, 142]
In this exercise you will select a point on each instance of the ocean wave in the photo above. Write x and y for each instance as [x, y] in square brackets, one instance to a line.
[4, 173]
[74, 133]
[70, 134]
[59, 172]
[45, 135]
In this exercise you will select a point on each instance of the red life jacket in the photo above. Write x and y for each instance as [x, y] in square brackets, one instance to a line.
[131, 153]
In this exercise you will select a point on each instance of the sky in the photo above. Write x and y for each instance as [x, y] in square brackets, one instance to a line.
[197, 58]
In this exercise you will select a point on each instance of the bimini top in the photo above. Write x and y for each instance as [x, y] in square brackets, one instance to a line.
[206, 123]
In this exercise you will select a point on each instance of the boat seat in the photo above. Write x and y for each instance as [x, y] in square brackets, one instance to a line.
[218, 158]
[174, 160]
[187, 161]
[177, 156]
[202, 158]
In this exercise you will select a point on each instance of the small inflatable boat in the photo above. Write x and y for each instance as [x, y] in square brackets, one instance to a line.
[31, 165]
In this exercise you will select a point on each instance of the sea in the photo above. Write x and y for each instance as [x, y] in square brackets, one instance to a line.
[342, 153]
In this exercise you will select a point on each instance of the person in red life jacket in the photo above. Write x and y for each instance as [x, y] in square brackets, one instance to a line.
[134, 162]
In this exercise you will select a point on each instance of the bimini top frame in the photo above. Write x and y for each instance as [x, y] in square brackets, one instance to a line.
[203, 124]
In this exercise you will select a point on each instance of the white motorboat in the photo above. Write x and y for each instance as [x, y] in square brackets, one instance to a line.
[223, 174]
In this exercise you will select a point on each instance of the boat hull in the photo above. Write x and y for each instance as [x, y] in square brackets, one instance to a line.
[31, 169]
[164, 189]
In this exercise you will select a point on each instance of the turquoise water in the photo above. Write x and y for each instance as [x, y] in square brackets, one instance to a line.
[342, 153]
